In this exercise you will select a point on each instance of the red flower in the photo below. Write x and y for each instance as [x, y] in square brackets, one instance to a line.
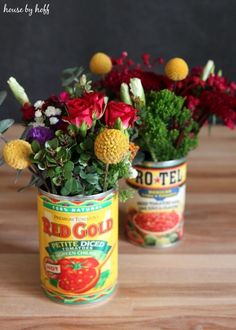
[192, 102]
[116, 110]
[28, 112]
[63, 97]
[146, 59]
[220, 104]
[160, 60]
[97, 103]
[84, 109]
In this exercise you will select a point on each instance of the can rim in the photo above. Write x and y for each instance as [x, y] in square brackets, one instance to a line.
[77, 197]
[168, 163]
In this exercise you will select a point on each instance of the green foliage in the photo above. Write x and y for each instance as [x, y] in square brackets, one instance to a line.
[3, 95]
[67, 165]
[125, 194]
[74, 82]
[168, 130]
[4, 124]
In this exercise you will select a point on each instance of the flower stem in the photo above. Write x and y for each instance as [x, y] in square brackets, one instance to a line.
[105, 178]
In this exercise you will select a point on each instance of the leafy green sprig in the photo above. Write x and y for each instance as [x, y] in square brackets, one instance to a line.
[5, 124]
[68, 165]
[167, 130]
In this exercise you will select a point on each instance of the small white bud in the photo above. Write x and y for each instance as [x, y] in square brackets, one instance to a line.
[38, 114]
[50, 111]
[39, 104]
[18, 91]
[53, 120]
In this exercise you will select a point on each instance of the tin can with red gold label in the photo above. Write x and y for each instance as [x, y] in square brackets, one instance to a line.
[78, 246]
[155, 216]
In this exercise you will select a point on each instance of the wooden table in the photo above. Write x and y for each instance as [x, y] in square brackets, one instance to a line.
[190, 286]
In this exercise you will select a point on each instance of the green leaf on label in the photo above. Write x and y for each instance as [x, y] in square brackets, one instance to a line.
[53, 282]
[102, 279]
[150, 240]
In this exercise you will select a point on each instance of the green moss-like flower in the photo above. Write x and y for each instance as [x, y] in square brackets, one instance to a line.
[168, 130]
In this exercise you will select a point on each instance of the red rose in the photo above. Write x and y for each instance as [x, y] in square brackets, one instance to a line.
[97, 103]
[85, 108]
[125, 112]
[28, 112]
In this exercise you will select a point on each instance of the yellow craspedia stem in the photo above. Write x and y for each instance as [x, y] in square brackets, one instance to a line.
[100, 63]
[16, 154]
[111, 146]
[176, 69]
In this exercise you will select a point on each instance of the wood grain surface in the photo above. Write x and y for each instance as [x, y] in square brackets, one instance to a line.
[190, 286]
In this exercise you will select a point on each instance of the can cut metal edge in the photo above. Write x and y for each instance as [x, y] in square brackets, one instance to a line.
[155, 214]
[78, 246]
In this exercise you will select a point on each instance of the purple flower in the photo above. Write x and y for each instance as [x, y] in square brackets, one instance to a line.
[40, 134]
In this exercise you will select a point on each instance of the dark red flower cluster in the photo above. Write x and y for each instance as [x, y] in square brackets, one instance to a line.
[215, 96]
[28, 110]
[150, 80]
[220, 104]
[125, 68]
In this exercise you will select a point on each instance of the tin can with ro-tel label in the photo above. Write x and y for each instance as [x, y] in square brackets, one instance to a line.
[78, 246]
[155, 216]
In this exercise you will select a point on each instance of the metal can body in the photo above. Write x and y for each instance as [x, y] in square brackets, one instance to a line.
[78, 246]
[155, 214]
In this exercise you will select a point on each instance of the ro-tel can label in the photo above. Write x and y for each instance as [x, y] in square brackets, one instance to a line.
[78, 246]
[155, 214]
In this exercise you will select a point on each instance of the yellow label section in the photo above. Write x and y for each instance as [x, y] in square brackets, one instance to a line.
[156, 178]
[78, 245]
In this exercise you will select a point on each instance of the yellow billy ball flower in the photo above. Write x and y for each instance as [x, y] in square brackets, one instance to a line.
[100, 63]
[176, 69]
[111, 146]
[16, 154]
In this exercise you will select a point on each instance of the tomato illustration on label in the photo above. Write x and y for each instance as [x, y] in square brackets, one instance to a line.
[160, 222]
[78, 247]
[78, 275]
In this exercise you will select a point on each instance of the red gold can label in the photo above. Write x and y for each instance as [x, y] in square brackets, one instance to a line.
[78, 246]
[155, 214]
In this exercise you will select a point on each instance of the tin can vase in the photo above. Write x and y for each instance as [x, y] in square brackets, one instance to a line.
[78, 246]
[155, 214]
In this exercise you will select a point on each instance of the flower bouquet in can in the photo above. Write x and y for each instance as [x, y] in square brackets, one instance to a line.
[76, 154]
[172, 108]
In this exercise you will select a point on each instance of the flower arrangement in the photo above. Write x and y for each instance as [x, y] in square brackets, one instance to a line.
[172, 107]
[74, 143]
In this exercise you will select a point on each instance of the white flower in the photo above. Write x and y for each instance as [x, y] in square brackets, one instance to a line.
[18, 91]
[208, 69]
[132, 173]
[39, 104]
[36, 124]
[38, 114]
[124, 94]
[50, 111]
[57, 112]
[53, 120]
[137, 90]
